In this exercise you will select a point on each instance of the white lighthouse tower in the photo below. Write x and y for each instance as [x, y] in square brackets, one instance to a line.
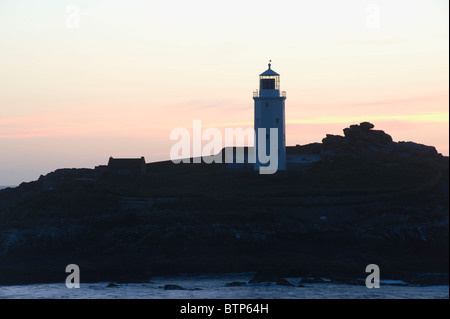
[269, 113]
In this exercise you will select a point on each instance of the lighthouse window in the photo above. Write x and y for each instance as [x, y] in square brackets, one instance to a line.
[278, 121]
[267, 104]
[268, 84]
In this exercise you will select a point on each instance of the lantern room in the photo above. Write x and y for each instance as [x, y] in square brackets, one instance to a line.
[269, 80]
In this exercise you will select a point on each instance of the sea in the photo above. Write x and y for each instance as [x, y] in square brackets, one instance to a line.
[214, 287]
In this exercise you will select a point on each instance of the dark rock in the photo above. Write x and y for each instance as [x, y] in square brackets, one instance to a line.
[363, 140]
[145, 283]
[236, 284]
[284, 282]
[414, 149]
[349, 281]
[333, 139]
[379, 137]
[366, 126]
[111, 284]
[264, 276]
[173, 287]
[364, 136]
[300, 286]
[269, 276]
[354, 134]
[312, 280]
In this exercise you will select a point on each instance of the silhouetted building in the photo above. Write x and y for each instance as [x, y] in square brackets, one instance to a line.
[238, 157]
[101, 171]
[126, 166]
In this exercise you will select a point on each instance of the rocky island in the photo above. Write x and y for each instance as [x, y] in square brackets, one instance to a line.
[347, 202]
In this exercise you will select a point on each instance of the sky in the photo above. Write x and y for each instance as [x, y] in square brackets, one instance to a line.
[84, 80]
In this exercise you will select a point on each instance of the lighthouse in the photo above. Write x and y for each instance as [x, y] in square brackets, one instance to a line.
[269, 115]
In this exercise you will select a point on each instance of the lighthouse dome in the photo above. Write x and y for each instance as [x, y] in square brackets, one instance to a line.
[269, 72]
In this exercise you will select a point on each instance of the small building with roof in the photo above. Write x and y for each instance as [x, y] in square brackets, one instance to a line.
[126, 166]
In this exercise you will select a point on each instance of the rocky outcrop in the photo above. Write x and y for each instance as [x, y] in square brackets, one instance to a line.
[271, 276]
[284, 282]
[362, 136]
[362, 140]
[236, 284]
[312, 280]
[173, 287]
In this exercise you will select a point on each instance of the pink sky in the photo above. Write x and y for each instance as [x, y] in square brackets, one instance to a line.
[118, 84]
